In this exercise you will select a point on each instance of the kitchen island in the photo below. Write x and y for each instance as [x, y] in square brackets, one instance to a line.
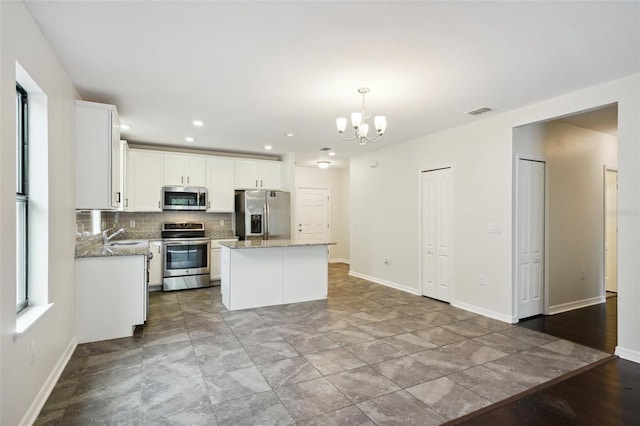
[273, 272]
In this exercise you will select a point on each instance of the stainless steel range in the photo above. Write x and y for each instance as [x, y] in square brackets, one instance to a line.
[186, 256]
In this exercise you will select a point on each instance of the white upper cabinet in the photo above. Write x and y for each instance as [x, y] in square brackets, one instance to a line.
[97, 137]
[220, 188]
[258, 174]
[144, 181]
[184, 170]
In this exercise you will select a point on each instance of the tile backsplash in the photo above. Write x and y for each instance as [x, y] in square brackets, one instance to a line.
[146, 225]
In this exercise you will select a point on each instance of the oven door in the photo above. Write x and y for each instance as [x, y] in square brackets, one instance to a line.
[186, 258]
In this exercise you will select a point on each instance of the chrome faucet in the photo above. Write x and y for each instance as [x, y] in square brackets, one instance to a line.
[106, 239]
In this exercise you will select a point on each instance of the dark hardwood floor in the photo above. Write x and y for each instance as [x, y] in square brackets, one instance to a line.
[608, 394]
[594, 326]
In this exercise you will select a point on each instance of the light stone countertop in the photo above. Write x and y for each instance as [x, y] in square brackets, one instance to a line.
[248, 244]
[110, 251]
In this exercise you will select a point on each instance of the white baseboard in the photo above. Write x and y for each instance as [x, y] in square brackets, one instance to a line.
[34, 410]
[484, 312]
[339, 260]
[628, 354]
[385, 282]
[564, 307]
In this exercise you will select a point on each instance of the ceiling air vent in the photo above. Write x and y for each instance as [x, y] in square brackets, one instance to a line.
[478, 111]
[325, 149]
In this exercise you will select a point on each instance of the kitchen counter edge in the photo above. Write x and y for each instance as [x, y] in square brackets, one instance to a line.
[105, 251]
[252, 244]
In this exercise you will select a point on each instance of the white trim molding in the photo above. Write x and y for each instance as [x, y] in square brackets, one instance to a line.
[628, 354]
[570, 306]
[340, 260]
[385, 283]
[484, 312]
[34, 410]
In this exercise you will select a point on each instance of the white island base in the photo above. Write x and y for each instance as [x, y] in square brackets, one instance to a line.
[256, 274]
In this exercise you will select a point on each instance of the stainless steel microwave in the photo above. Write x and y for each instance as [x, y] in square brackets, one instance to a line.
[184, 198]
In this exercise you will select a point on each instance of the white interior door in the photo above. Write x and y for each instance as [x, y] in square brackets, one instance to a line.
[530, 257]
[437, 203]
[611, 230]
[313, 214]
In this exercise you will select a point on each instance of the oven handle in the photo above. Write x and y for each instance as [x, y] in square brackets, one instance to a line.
[187, 243]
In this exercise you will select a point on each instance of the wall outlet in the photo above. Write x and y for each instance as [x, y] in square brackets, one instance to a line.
[132, 224]
[386, 260]
[481, 280]
[32, 353]
[221, 222]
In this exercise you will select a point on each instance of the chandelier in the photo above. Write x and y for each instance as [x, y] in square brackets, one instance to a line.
[359, 123]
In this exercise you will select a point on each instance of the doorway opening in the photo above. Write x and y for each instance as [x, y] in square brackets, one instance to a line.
[580, 210]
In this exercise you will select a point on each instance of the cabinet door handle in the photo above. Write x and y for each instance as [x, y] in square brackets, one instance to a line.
[126, 202]
[256, 183]
[261, 183]
[187, 179]
[208, 204]
[158, 204]
[118, 196]
[181, 179]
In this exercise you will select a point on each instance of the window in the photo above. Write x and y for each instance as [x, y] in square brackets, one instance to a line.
[22, 201]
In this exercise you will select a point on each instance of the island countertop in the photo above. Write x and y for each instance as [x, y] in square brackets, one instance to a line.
[249, 244]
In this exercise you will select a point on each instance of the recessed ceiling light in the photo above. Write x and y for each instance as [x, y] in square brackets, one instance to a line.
[198, 123]
[189, 139]
[268, 147]
[289, 134]
[331, 153]
[124, 127]
[323, 164]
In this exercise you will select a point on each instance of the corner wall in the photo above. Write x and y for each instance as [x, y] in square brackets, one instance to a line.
[22, 384]
[385, 205]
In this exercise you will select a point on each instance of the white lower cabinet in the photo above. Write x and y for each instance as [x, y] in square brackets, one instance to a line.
[216, 261]
[156, 263]
[111, 295]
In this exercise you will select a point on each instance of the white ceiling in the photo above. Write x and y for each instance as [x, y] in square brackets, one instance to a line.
[255, 70]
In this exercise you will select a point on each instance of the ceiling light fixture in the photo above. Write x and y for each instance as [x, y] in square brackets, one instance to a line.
[289, 134]
[198, 123]
[359, 123]
[189, 139]
[323, 164]
[331, 153]
[267, 147]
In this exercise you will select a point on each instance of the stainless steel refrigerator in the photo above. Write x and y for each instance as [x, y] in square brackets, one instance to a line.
[263, 215]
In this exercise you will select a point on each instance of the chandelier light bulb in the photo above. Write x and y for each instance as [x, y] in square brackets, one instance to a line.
[363, 130]
[381, 123]
[323, 164]
[356, 119]
[341, 123]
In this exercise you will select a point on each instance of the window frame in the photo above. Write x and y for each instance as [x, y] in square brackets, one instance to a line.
[22, 197]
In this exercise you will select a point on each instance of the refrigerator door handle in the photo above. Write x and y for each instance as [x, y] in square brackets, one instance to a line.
[266, 219]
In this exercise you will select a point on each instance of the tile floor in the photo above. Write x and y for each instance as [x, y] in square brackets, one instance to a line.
[369, 355]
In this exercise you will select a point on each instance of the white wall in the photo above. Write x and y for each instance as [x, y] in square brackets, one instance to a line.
[575, 159]
[20, 384]
[385, 205]
[337, 182]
